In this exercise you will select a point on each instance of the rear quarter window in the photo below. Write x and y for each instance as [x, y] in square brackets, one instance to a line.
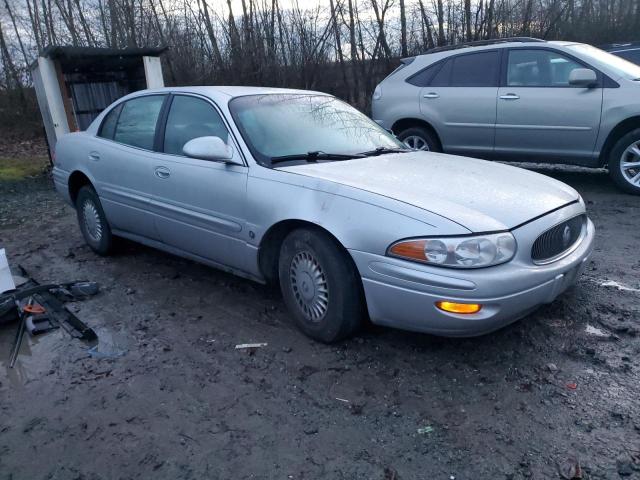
[108, 127]
[424, 76]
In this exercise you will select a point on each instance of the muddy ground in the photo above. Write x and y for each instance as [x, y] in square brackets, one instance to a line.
[177, 401]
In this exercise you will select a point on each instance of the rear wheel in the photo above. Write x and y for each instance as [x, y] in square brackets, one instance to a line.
[420, 138]
[624, 162]
[320, 285]
[93, 222]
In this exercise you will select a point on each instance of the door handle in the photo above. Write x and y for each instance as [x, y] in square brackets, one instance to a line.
[94, 156]
[162, 172]
[431, 95]
[510, 96]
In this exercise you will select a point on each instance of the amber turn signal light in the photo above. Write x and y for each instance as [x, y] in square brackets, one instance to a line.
[410, 249]
[453, 307]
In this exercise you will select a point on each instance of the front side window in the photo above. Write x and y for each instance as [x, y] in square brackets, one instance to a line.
[190, 118]
[137, 122]
[476, 70]
[275, 125]
[539, 68]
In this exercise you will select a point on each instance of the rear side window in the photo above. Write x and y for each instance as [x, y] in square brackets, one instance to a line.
[190, 118]
[108, 127]
[476, 70]
[136, 125]
[423, 77]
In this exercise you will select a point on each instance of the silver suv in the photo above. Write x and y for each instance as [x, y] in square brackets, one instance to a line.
[519, 99]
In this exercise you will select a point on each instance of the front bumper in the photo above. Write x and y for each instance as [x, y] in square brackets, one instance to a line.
[403, 294]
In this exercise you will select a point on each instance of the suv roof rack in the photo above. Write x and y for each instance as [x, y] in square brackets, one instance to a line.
[482, 43]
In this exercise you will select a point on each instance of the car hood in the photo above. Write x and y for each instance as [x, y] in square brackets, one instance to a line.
[482, 196]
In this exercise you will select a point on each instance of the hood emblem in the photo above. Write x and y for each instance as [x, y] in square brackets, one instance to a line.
[566, 236]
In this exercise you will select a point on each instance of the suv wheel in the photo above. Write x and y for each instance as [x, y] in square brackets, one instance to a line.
[320, 285]
[624, 162]
[420, 138]
[93, 222]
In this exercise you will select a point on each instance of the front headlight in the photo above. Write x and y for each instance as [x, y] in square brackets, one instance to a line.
[457, 252]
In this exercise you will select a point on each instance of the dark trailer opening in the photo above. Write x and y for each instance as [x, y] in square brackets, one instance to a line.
[74, 84]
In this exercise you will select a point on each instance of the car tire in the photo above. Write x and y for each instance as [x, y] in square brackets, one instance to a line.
[622, 160]
[93, 222]
[420, 138]
[320, 285]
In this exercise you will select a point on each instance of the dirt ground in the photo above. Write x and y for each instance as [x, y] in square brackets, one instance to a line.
[172, 398]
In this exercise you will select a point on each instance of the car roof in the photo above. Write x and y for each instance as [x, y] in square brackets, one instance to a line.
[231, 91]
[498, 43]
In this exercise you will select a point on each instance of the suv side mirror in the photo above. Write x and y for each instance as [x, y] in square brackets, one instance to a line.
[583, 77]
[210, 148]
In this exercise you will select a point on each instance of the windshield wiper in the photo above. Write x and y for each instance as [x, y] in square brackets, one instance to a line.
[384, 150]
[314, 157]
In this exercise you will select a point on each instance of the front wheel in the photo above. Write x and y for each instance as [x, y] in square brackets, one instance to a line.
[624, 162]
[320, 285]
[419, 138]
[93, 222]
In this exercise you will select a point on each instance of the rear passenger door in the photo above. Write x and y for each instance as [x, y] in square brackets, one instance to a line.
[122, 163]
[540, 116]
[460, 102]
[199, 204]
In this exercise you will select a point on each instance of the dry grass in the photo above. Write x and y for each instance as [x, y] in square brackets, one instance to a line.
[12, 169]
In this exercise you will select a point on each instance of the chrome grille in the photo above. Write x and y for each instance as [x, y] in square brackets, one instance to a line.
[557, 240]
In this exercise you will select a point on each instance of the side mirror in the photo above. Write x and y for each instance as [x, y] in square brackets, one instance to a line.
[583, 77]
[210, 148]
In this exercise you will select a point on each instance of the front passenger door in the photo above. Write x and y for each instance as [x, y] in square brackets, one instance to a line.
[541, 116]
[199, 204]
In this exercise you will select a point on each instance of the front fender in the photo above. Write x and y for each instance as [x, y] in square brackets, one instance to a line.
[359, 220]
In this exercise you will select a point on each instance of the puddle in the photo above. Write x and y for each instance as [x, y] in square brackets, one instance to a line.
[36, 357]
[109, 345]
[40, 354]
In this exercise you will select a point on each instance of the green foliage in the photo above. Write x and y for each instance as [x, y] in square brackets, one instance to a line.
[13, 169]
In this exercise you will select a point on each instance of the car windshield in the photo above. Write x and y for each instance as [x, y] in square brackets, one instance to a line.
[620, 66]
[280, 125]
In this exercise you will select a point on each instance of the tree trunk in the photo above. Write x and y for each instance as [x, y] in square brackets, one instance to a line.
[12, 70]
[403, 30]
[440, 15]
[467, 18]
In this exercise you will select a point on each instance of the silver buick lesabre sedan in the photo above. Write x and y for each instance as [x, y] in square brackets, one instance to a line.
[299, 188]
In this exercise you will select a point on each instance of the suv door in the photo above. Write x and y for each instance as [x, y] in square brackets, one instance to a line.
[122, 161]
[541, 116]
[199, 204]
[460, 102]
